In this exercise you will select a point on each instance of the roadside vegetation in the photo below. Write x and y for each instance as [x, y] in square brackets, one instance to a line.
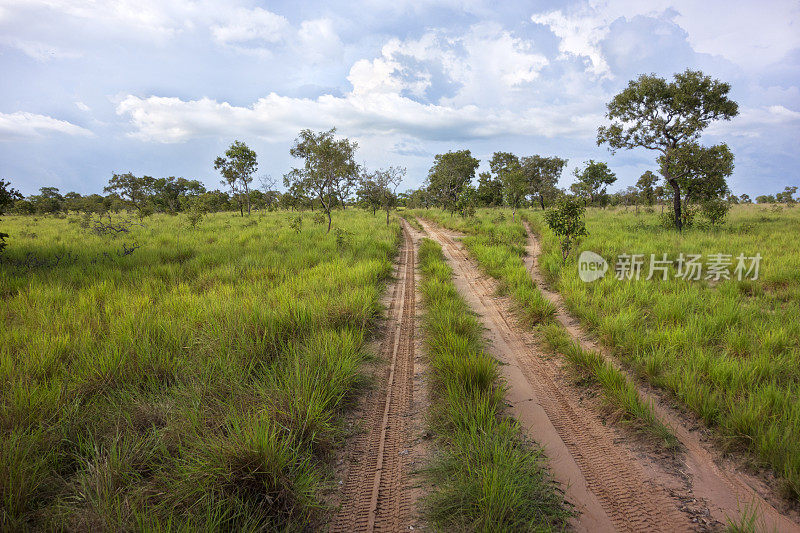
[498, 245]
[486, 477]
[197, 382]
[728, 349]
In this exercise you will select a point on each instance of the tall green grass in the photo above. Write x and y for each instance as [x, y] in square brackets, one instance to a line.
[196, 383]
[498, 244]
[730, 351]
[485, 478]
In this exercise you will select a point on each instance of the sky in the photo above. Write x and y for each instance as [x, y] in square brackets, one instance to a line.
[161, 88]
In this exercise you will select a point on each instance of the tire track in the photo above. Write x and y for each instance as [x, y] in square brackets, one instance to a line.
[610, 487]
[376, 493]
[726, 493]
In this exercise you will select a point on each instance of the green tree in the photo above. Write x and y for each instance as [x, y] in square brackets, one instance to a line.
[542, 175]
[8, 195]
[508, 169]
[646, 186]
[237, 168]
[48, 201]
[566, 221]
[134, 190]
[765, 199]
[787, 196]
[745, 199]
[490, 190]
[327, 163]
[448, 176]
[594, 179]
[386, 183]
[666, 116]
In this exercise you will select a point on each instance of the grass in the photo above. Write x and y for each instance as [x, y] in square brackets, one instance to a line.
[729, 351]
[198, 382]
[498, 244]
[485, 477]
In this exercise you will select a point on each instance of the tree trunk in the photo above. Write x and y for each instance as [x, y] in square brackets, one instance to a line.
[676, 204]
[541, 200]
[387, 216]
[329, 221]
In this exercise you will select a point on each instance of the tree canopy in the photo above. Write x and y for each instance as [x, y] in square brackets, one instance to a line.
[448, 176]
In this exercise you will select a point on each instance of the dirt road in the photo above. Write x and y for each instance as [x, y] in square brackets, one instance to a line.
[378, 492]
[725, 491]
[613, 488]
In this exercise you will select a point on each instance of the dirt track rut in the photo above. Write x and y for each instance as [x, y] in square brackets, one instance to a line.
[377, 494]
[612, 488]
[725, 492]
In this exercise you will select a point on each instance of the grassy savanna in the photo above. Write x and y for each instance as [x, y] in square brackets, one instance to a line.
[196, 383]
[498, 244]
[729, 350]
[485, 477]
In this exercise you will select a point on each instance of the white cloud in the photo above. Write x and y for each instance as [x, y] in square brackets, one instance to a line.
[756, 122]
[274, 117]
[82, 106]
[255, 26]
[22, 124]
[317, 40]
[41, 51]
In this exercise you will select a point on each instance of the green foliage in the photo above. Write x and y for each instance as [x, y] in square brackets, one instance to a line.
[593, 180]
[8, 195]
[448, 176]
[567, 223]
[646, 185]
[197, 385]
[296, 223]
[715, 210]
[541, 176]
[688, 215]
[237, 168]
[509, 170]
[667, 117]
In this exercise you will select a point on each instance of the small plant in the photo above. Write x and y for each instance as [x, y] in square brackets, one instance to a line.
[3, 243]
[566, 221]
[342, 238]
[195, 215]
[715, 211]
[688, 214]
[499, 219]
[319, 219]
[296, 223]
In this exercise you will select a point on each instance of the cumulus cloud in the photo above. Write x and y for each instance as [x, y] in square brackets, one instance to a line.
[747, 33]
[22, 124]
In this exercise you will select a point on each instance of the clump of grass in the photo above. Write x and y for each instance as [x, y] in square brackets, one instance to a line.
[198, 383]
[729, 351]
[486, 477]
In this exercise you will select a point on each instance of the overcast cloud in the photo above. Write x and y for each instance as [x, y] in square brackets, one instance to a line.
[161, 88]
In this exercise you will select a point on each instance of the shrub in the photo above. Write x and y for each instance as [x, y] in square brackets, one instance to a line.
[715, 210]
[566, 221]
[688, 213]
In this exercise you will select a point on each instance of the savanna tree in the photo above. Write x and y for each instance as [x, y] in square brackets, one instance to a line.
[665, 117]
[700, 172]
[542, 175]
[594, 179]
[490, 190]
[448, 176]
[386, 183]
[132, 189]
[237, 167]
[646, 185]
[566, 221]
[327, 163]
[507, 168]
[8, 195]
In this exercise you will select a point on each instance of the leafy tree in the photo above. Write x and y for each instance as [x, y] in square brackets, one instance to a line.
[466, 201]
[130, 188]
[666, 116]
[787, 196]
[542, 175]
[237, 168]
[765, 199]
[369, 193]
[715, 210]
[48, 201]
[745, 199]
[490, 190]
[566, 221]
[386, 183]
[448, 176]
[646, 185]
[327, 163]
[172, 194]
[594, 179]
[8, 195]
[699, 171]
[507, 167]
[271, 195]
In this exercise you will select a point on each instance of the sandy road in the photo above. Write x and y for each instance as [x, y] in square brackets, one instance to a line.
[725, 491]
[377, 494]
[613, 489]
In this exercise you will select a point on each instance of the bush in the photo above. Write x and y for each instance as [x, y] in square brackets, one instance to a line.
[715, 211]
[566, 221]
[688, 213]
